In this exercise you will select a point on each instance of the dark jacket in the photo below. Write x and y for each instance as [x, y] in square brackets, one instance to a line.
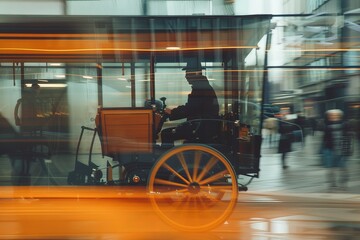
[286, 137]
[334, 135]
[202, 103]
[8, 137]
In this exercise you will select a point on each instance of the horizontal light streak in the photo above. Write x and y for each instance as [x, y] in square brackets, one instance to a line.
[173, 48]
[319, 50]
[123, 49]
[48, 85]
[60, 76]
[298, 68]
[292, 69]
[163, 50]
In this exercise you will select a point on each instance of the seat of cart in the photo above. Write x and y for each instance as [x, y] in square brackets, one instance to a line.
[125, 130]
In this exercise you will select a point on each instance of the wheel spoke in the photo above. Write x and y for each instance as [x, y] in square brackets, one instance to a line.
[175, 172]
[169, 183]
[197, 159]
[184, 165]
[215, 177]
[193, 193]
[207, 168]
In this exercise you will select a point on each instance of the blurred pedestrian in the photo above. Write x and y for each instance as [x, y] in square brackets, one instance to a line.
[334, 150]
[302, 122]
[313, 125]
[27, 118]
[285, 141]
[271, 126]
[11, 145]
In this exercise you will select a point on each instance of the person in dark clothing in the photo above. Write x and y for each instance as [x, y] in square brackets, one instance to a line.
[334, 131]
[29, 122]
[301, 121]
[12, 146]
[200, 110]
[285, 141]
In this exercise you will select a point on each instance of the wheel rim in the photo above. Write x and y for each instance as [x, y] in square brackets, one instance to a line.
[193, 187]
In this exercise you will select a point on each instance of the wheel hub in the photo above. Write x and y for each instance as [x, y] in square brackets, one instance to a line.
[194, 188]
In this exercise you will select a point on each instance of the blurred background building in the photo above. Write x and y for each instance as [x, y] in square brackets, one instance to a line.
[313, 61]
[321, 70]
[298, 67]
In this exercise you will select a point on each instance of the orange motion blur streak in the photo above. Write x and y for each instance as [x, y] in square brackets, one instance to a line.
[93, 43]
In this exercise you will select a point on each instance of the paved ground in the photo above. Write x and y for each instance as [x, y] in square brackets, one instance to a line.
[282, 204]
[305, 174]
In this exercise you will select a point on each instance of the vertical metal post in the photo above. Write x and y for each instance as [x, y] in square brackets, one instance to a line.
[152, 78]
[64, 5]
[99, 84]
[132, 83]
[145, 7]
[22, 86]
[22, 75]
[235, 77]
[226, 88]
[265, 85]
[14, 75]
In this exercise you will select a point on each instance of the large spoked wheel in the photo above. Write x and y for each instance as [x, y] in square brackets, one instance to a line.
[193, 187]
